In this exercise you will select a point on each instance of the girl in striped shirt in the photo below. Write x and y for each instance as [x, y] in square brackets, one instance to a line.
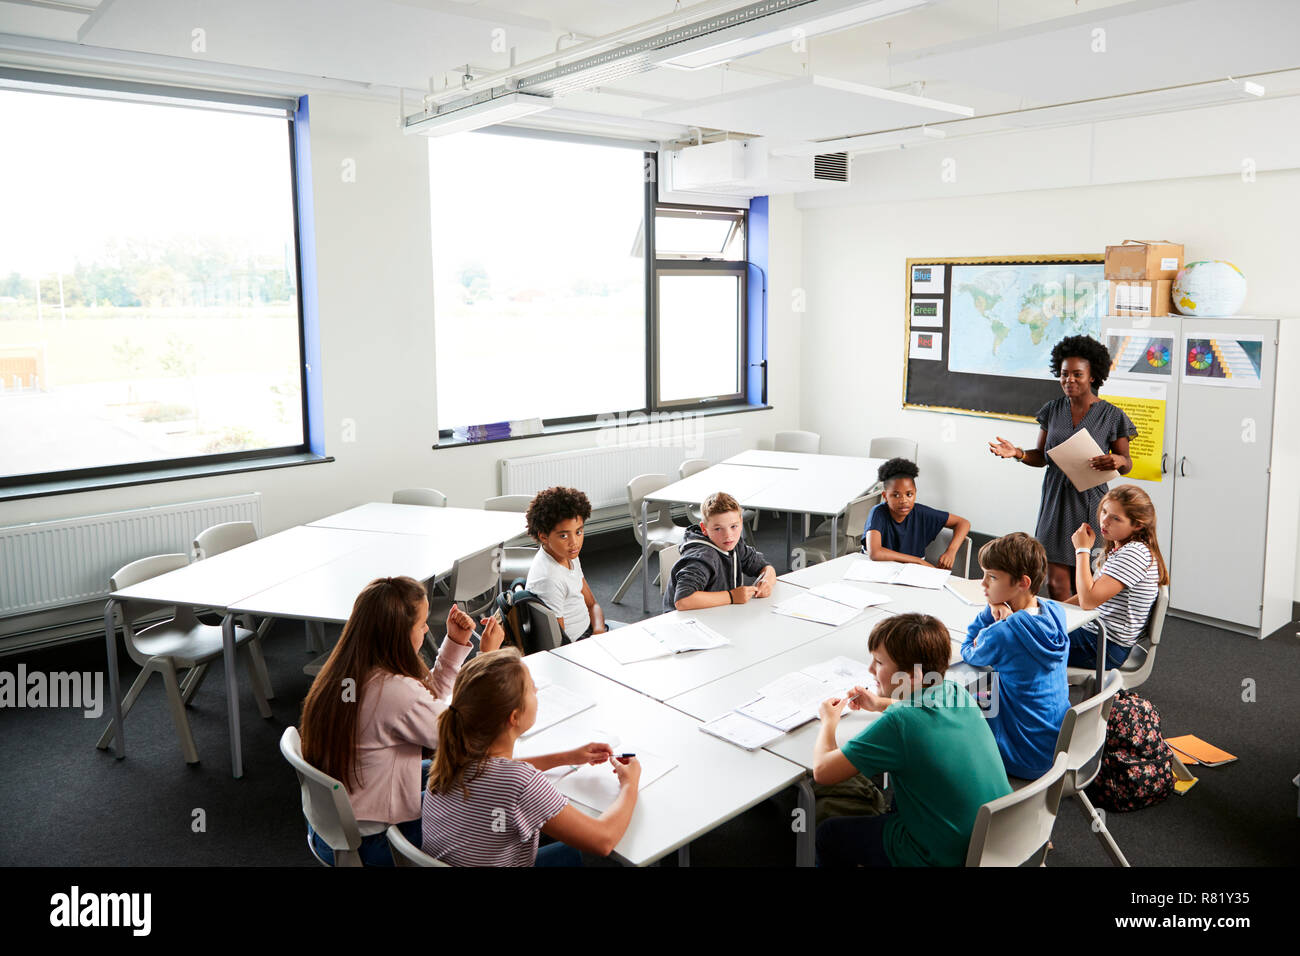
[1128, 577]
[485, 808]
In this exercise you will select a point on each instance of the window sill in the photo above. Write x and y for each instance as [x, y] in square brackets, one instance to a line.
[152, 476]
[593, 425]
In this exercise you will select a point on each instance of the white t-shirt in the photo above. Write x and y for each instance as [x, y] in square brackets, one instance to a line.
[561, 589]
[1126, 613]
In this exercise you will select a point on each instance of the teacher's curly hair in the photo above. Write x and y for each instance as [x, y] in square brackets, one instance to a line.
[897, 468]
[1087, 348]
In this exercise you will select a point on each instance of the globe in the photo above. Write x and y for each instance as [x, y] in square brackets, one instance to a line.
[1210, 287]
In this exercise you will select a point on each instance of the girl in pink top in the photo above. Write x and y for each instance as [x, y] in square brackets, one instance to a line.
[373, 709]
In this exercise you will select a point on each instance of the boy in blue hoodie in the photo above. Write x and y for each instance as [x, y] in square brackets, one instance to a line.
[714, 559]
[1026, 642]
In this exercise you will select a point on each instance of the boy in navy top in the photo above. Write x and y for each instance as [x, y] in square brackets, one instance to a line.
[900, 528]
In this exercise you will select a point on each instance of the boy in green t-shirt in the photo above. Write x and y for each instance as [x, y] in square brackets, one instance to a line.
[932, 738]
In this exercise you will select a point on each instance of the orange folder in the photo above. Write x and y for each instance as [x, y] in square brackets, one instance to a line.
[1195, 750]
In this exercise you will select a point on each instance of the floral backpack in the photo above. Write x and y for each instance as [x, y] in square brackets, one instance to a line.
[1136, 763]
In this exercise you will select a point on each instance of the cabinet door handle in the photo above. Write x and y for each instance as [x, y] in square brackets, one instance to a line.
[1182, 466]
[1164, 463]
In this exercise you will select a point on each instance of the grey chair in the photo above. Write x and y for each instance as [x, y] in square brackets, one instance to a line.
[660, 531]
[406, 853]
[546, 634]
[1141, 660]
[429, 497]
[748, 516]
[667, 558]
[226, 537]
[517, 556]
[1017, 829]
[182, 643]
[325, 804]
[807, 443]
[1082, 739]
[818, 549]
[961, 563]
[892, 448]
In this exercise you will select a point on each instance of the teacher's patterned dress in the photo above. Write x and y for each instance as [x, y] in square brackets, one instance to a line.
[1063, 508]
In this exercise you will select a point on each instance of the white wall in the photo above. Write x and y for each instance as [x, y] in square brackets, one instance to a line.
[377, 341]
[853, 268]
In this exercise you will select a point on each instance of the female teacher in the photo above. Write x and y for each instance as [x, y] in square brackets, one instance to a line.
[1082, 364]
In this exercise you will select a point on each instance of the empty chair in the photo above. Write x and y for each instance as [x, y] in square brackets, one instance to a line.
[659, 532]
[183, 643]
[892, 448]
[325, 804]
[429, 497]
[748, 516]
[1137, 668]
[517, 558]
[667, 558]
[808, 443]
[226, 537]
[474, 584]
[936, 548]
[851, 521]
[1016, 829]
[1082, 737]
[406, 853]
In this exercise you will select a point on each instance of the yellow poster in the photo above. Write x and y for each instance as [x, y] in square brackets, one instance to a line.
[1146, 407]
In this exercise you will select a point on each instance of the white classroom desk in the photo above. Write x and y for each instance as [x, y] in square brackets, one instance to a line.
[955, 613]
[755, 632]
[220, 582]
[467, 530]
[712, 783]
[790, 482]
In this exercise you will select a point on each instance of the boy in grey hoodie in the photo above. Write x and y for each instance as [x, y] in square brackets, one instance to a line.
[714, 560]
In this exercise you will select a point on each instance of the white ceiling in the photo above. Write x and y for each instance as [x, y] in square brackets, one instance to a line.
[991, 55]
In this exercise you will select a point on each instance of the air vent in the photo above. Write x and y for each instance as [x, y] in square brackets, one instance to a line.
[832, 167]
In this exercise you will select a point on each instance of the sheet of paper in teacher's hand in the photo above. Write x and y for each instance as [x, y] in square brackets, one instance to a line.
[1072, 456]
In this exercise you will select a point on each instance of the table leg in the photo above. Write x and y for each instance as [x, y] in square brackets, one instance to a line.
[805, 853]
[684, 855]
[789, 546]
[835, 536]
[232, 693]
[114, 681]
[1101, 656]
[645, 557]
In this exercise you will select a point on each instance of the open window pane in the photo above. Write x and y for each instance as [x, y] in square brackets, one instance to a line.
[699, 336]
[148, 301]
[539, 289]
[701, 236]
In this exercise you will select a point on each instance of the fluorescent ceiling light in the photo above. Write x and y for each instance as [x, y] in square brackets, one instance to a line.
[778, 29]
[870, 143]
[501, 109]
[1137, 104]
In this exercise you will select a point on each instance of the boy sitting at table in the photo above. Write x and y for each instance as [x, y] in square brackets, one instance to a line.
[556, 518]
[714, 559]
[900, 528]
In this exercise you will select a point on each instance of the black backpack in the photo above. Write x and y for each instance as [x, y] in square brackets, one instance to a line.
[1136, 763]
[516, 620]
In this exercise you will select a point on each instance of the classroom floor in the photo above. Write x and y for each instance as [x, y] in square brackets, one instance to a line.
[65, 803]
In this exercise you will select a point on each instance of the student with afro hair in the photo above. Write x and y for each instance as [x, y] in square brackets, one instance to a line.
[900, 528]
[1082, 364]
[555, 518]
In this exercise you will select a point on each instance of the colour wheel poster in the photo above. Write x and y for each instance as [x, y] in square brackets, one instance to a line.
[1230, 361]
[1140, 353]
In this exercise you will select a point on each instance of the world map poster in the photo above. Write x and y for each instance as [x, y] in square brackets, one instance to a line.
[1004, 319]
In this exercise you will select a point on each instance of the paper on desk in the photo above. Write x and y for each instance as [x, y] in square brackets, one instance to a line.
[810, 607]
[970, 591]
[556, 703]
[685, 634]
[741, 730]
[919, 576]
[595, 785]
[788, 701]
[841, 593]
[1071, 456]
[842, 674]
[628, 645]
[877, 572]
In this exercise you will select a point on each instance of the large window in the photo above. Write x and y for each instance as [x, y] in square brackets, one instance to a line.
[543, 251]
[148, 286]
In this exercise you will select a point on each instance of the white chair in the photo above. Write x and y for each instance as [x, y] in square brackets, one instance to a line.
[429, 497]
[1082, 738]
[518, 554]
[1141, 660]
[406, 853]
[183, 643]
[1016, 829]
[818, 549]
[226, 537]
[473, 577]
[748, 516]
[325, 804]
[659, 532]
[667, 558]
[806, 443]
[960, 563]
[892, 448]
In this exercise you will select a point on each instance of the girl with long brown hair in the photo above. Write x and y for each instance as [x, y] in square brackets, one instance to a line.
[374, 707]
[484, 807]
[1128, 577]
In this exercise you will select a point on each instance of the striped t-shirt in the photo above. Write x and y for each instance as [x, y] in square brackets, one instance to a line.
[1125, 615]
[500, 822]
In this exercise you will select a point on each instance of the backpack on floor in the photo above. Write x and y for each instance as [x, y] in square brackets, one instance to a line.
[1136, 763]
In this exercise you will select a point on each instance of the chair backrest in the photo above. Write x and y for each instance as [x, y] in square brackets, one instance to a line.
[855, 515]
[892, 448]
[517, 503]
[325, 803]
[429, 497]
[223, 537]
[134, 573]
[1156, 622]
[1015, 829]
[656, 514]
[940, 544]
[690, 466]
[476, 574]
[667, 558]
[1083, 734]
[406, 853]
[809, 443]
[546, 633]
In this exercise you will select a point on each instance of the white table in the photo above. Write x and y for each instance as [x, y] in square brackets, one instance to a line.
[755, 632]
[791, 482]
[712, 782]
[467, 529]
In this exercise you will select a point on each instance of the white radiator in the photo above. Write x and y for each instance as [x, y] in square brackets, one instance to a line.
[603, 472]
[54, 563]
